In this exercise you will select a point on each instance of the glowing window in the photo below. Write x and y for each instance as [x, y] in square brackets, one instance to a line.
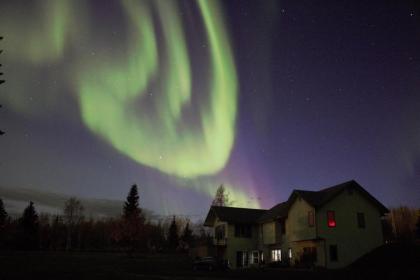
[331, 219]
[276, 255]
[255, 257]
[290, 253]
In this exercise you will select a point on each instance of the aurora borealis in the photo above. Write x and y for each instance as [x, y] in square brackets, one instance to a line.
[173, 146]
[181, 96]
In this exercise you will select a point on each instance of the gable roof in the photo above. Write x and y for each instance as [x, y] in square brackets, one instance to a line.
[280, 211]
[233, 215]
[277, 212]
[319, 198]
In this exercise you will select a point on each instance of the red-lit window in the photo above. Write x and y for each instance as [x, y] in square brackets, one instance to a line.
[311, 218]
[331, 219]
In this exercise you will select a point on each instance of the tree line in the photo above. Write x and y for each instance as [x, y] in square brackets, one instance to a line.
[131, 232]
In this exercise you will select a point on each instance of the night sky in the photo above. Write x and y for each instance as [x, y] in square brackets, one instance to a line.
[180, 97]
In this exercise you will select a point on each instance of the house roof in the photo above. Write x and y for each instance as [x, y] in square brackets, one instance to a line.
[278, 211]
[233, 215]
[315, 198]
[319, 198]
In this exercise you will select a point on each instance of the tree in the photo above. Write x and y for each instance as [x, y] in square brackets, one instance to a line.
[131, 206]
[222, 197]
[173, 235]
[187, 236]
[133, 222]
[73, 216]
[403, 221]
[1, 131]
[3, 215]
[30, 226]
[3, 225]
[1, 81]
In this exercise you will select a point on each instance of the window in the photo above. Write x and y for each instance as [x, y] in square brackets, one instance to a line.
[283, 227]
[333, 253]
[255, 257]
[220, 232]
[361, 220]
[243, 231]
[276, 255]
[331, 219]
[241, 259]
[311, 218]
[290, 253]
[309, 255]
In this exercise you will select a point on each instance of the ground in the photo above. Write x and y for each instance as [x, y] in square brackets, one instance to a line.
[390, 262]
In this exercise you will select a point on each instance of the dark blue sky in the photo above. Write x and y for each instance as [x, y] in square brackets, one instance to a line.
[328, 91]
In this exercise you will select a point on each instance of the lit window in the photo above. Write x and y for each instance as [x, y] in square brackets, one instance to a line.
[311, 218]
[331, 219]
[290, 253]
[255, 255]
[361, 220]
[276, 255]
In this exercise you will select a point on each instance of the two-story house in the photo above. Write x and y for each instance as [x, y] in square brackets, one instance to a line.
[330, 228]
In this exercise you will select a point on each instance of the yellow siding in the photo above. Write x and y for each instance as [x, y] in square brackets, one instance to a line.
[297, 227]
[352, 241]
[240, 243]
[269, 235]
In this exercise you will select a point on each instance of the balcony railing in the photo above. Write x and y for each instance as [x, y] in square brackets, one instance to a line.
[220, 241]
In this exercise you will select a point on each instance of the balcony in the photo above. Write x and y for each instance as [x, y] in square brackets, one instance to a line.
[219, 241]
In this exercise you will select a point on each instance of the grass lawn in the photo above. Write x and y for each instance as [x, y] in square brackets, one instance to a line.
[386, 263]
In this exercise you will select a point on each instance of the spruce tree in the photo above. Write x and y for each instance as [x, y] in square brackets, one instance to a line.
[173, 235]
[30, 226]
[3, 215]
[133, 222]
[187, 235]
[131, 206]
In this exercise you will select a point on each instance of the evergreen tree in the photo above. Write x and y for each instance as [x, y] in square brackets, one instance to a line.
[73, 217]
[3, 215]
[30, 226]
[222, 197]
[187, 235]
[131, 206]
[133, 222]
[173, 235]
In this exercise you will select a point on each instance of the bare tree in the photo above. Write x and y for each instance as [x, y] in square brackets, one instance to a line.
[403, 221]
[73, 216]
[222, 197]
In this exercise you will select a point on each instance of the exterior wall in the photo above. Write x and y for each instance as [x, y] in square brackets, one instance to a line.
[269, 233]
[297, 227]
[352, 242]
[235, 244]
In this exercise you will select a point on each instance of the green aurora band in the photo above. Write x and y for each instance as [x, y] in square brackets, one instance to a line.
[46, 31]
[166, 142]
[113, 90]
